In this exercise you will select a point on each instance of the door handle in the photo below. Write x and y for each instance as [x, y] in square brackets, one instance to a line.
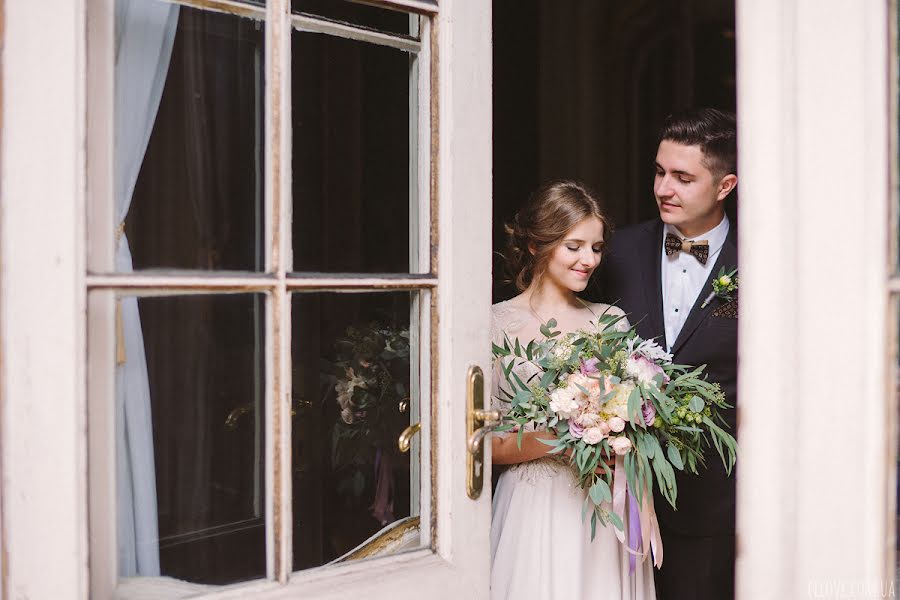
[491, 419]
[406, 437]
[476, 414]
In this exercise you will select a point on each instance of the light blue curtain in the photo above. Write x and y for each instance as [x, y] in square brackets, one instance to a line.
[145, 32]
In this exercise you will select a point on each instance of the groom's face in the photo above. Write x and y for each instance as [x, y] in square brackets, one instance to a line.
[688, 195]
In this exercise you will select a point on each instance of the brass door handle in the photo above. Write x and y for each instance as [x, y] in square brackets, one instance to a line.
[491, 419]
[406, 437]
[475, 415]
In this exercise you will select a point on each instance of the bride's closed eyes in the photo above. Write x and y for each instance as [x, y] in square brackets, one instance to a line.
[574, 246]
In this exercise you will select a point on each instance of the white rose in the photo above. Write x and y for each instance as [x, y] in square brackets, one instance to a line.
[617, 424]
[620, 445]
[563, 403]
[592, 435]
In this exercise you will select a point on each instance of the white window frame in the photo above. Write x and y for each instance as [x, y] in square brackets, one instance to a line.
[276, 283]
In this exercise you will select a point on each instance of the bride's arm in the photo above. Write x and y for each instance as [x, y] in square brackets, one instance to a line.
[505, 449]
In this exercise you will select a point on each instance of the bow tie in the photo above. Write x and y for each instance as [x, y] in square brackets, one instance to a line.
[699, 250]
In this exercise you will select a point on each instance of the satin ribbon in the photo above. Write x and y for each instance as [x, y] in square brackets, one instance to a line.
[643, 528]
[383, 505]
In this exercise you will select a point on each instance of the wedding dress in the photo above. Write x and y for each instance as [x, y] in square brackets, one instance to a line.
[540, 546]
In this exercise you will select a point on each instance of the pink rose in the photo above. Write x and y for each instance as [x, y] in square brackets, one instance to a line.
[620, 445]
[604, 427]
[643, 369]
[617, 424]
[576, 429]
[648, 411]
[589, 366]
[593, 435]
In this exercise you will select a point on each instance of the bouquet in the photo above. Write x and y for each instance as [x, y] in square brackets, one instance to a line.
[608, 393]
[371, 384]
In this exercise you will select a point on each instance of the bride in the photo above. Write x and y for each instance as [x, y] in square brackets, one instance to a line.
[541, 547]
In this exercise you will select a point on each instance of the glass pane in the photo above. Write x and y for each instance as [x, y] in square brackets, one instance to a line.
[190, 437]
[353, 204]
[189, 138]
[355, 388]
[360, 15]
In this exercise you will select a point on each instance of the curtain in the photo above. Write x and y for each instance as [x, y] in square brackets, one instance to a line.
[145, 32]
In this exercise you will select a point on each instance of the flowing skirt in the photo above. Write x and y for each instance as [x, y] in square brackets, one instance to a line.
[542, 549]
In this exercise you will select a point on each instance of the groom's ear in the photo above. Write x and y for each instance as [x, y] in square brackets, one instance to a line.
[532, 248]
[726, 185]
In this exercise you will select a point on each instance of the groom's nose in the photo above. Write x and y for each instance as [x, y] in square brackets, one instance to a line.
[663, 187]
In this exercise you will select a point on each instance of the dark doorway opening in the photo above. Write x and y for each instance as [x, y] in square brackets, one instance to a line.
[581, 88]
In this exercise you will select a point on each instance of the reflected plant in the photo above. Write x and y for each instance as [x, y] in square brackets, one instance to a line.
[370, 379]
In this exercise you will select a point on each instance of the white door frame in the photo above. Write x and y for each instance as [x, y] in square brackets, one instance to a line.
[817, 403]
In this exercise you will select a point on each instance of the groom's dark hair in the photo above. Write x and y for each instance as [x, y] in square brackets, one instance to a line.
[715, 131]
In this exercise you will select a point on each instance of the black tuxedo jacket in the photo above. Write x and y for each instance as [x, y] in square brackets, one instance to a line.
[630, 278]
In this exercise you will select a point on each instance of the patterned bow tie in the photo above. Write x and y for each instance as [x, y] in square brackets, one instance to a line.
[699, 249]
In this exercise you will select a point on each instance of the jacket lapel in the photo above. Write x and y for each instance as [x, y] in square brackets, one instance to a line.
[727, 258]
[651, 264]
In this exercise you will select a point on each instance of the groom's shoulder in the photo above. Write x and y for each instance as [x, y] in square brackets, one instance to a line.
[622, 239]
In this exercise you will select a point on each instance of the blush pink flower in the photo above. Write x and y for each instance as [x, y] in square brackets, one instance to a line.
[620, 445]
[617, 424]
[593, 435]
[643, 369]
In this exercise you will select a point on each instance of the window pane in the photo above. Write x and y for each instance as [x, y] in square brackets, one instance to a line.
[353, 204]
[189, 138]
[370, 17]
[356, 388]
[190, 437]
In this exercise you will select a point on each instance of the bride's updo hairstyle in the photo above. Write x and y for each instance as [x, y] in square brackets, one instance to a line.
[539, 226]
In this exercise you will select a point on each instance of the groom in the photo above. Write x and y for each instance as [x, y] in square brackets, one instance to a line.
[661, 272]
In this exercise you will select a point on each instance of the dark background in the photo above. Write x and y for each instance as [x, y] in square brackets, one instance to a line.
[581, 88]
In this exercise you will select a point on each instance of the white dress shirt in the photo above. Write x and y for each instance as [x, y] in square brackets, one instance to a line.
[683, 277]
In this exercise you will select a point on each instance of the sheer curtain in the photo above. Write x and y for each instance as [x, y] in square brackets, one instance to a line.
[145, 32]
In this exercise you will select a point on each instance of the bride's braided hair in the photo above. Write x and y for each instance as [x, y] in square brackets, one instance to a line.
[539, 226]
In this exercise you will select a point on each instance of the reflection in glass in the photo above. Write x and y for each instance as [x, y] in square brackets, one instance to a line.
[355, 388]
[188, 138]
[370, 17]
[353, 204]
[190, 445]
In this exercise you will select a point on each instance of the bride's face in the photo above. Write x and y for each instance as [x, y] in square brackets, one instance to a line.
[575, 258]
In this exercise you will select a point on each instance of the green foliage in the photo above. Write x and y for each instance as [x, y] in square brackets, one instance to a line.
[687, 408]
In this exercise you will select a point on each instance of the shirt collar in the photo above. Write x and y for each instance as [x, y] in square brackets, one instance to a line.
[715, 236]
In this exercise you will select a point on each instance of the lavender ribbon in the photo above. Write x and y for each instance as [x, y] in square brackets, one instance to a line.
[383, 505]
[634, 530]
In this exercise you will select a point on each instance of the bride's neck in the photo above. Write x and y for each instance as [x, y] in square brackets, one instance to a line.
[550, 299]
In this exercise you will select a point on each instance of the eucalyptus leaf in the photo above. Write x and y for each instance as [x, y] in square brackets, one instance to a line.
[696, 404]
[616, 521]
[600, 492]
[675, 457]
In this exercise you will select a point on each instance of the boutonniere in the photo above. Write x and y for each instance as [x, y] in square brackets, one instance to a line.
[724, 285]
